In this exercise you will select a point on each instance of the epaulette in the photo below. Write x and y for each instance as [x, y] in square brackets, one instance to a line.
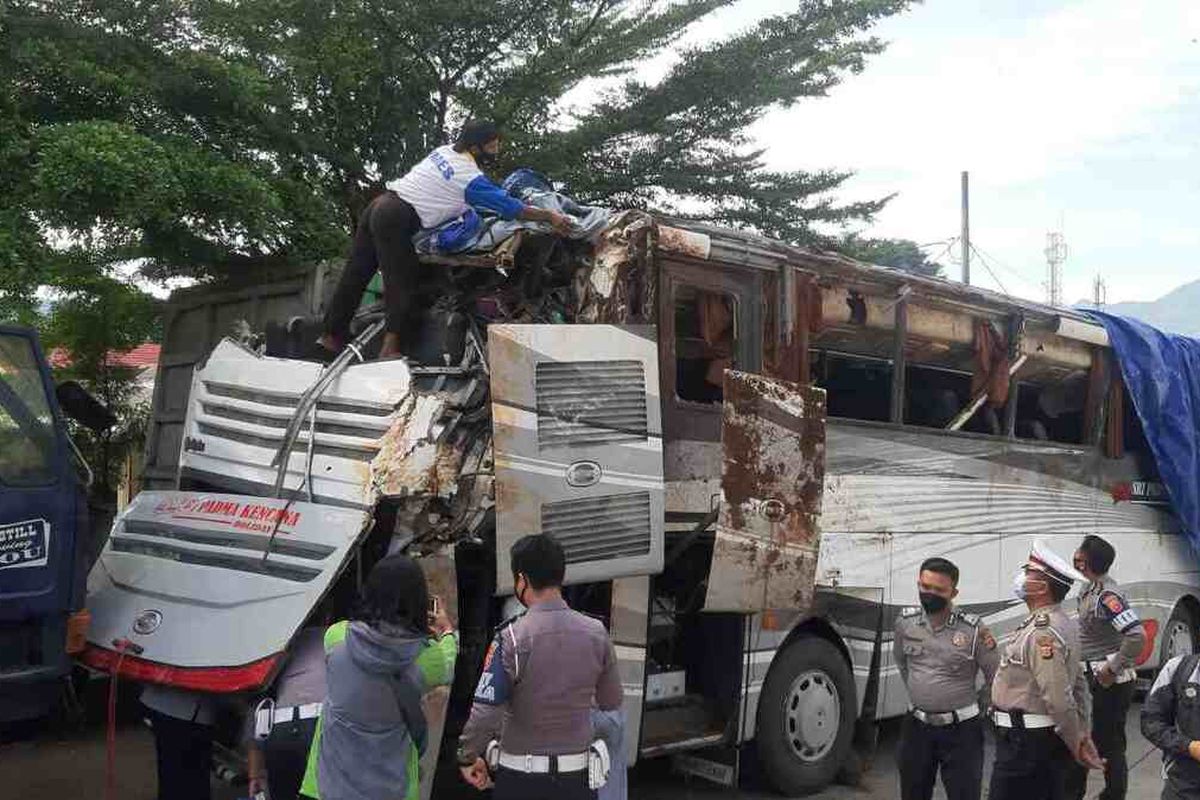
[970, 619]
[911, 611]
[1041, 620]
[509, 621]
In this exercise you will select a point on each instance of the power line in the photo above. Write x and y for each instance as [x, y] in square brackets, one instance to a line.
[1008, 269]
[995, 277]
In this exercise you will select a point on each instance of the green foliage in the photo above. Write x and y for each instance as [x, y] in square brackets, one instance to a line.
[207, 136]
[96, 317]
[901, 254]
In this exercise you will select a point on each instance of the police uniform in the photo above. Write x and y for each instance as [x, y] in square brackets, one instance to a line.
[944, 729]
[542, 676]
[1171, 721]
[1110, 634]
[1039, 698]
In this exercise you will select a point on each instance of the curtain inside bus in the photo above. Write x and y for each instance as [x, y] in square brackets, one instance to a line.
[1162, 373]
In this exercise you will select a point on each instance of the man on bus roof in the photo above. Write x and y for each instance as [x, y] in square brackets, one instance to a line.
[940, 651]
[1039, 697]
[441, 187]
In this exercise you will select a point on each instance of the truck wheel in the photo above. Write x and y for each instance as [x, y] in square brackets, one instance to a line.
[806, 716]
[1179, 634]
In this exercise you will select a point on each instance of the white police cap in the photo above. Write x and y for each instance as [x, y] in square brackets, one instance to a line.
[1052, 565]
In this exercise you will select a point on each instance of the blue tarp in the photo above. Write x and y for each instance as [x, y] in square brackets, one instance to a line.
[1162, 373]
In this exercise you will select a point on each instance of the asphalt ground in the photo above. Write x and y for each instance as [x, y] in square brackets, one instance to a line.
[54, 760]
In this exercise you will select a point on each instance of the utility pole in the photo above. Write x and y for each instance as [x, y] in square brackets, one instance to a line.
[1099, 292]
[1056, 254]
[966, 232]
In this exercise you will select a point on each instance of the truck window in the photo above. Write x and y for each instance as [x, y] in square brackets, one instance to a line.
[26, 422]
[705, 330]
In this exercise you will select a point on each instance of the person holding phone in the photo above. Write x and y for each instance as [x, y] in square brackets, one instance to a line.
[378, 665]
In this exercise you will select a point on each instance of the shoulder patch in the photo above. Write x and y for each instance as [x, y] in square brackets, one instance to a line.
[1113, 603]
[1041, 620]
[493, 688]
[970, 619]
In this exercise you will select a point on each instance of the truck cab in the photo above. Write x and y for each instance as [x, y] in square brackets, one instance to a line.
[43, 532]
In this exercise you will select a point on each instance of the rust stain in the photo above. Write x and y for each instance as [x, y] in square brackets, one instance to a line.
[773, 443]
[688, 243]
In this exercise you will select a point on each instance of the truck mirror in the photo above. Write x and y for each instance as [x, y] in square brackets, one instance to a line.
[80, 406]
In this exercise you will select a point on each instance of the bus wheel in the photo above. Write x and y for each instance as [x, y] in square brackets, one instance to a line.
[1179, 634]
[805, 716]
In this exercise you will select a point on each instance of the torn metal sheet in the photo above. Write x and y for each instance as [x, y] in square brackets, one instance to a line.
[772, 479]
[414, 458]
[621, 284]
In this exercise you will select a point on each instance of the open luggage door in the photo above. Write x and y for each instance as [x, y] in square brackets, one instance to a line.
[772, 479]
[578, 446]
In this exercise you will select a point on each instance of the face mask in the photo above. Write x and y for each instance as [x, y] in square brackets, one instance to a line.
[485, 159]
[932, 603]
[1020, 587]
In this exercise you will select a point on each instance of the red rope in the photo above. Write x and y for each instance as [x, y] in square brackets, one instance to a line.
[110, 773]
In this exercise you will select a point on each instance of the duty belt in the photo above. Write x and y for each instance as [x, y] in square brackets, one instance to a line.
[1019, 719]
[1092, 667]
[940, 719]
[575, 762]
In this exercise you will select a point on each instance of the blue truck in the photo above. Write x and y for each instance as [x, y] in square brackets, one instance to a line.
[45, 534]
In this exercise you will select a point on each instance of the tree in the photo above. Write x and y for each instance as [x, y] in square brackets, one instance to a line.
[902, 254]
[210, 136]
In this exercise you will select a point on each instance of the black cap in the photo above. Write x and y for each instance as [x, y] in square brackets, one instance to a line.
[477, 133]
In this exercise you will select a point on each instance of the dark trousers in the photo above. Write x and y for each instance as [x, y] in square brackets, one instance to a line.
[513, 785]
[183, 751]
[383, 241]
[286, 754]
[1109, 707]
[957, 749]
[1030, 765]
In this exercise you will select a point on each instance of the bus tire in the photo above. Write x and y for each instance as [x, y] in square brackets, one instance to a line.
[1179, 634]
[806, 716]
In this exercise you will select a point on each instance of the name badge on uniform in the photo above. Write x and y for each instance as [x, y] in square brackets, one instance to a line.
[959, 639]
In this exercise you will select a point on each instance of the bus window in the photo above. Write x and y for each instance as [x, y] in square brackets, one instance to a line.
[26, 423]
[856, 388]
[705, 330]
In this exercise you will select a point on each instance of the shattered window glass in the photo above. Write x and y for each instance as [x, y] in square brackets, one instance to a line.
[705, 330]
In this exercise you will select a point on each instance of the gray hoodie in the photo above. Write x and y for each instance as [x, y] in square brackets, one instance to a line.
[372, 718]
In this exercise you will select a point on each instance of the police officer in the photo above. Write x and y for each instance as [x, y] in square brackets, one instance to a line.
[939, 652]
[1171, 721]
[1039, 698]
[541, 675]
[1111, 638]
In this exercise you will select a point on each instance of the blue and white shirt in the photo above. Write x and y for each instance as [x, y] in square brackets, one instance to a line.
[446, 183]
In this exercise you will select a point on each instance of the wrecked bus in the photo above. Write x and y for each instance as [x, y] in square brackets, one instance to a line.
[745, 448]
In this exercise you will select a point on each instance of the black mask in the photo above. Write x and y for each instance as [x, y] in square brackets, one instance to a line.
[485, 159]
[932, 603]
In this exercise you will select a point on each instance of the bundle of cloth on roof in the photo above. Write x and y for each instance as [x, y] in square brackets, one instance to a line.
[475, 233]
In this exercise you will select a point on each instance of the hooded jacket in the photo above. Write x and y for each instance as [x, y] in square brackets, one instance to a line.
[372, 728]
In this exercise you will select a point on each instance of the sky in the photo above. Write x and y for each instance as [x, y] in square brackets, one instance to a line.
[1080, 116]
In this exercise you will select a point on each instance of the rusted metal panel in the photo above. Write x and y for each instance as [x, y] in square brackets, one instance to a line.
[692, 244]
[622, 284]
[773, 471]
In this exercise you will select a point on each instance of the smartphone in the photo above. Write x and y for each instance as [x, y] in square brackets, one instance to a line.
[435, 606]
